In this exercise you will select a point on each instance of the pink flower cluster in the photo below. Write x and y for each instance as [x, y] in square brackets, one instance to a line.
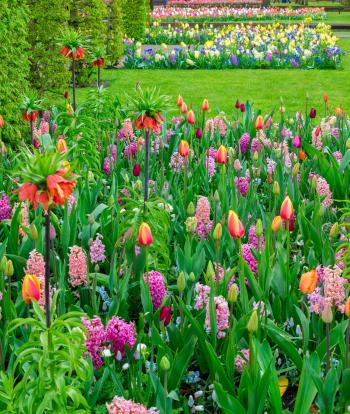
[77, 266]
[97, 250]
[221, 314]
[117, 335]
[242, 184]
[214, 124]
[323, 190]
[157, 288]
[120, 405]
[204, 224]
[249, 258]
[202, 296]
[242, 359]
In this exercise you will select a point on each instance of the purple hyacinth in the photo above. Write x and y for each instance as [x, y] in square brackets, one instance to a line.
[5, 207]
[244, 142]
[97, 250]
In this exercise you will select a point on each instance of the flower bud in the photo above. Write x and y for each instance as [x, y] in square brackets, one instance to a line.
[327, 314]
[164, 364]
[216, 196]
[278, 153]
[256, 156]
[259, 228]
[138, 185]
[181, 282]
[210, 271]
[233, 293]
[253, 322]
[334, 230]
[190, 209]
[33, 232]
[110, 201]
[217, 232]
[276, 188]
[90, 176]
[91, 219]
[314, 183]
[126, 179]
[321, 211]
[3, 264]
[9, 268]
[347, 307]
[192, 277]
[97, 268]
[276, 224]
[295, 170]
[347, 144]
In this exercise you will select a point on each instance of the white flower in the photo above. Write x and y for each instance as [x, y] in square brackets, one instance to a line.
[107, 353]
[125, 366]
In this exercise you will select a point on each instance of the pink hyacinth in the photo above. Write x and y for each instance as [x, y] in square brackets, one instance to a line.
[249, 258]
[317, 138]
[130, 150]
[210, 166]
[157, 288]
[95, 339]
[97, 250]
[77, 266]
[271, 166]
[237, 165]
[44, 127]
[5, 207]
[120, 405]
[36, 266]
[177, 163]
[323, 190]
[202, 296]
[71, 201]
[316, 301]
[203, 210]
[241, 359]
[244, 142]
[212, 152]
[333, 288]
[338, 156]
[222, 316]
[120, 334]
[242, 185]
[128, 128]
[256, 145]
[214, 124]
[202, 230]
[253, 238]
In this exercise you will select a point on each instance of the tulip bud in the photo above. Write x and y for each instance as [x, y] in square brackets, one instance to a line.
[181, 282]
[276, 224]
[259, 228]
[278, 153]
[295, 170]
[91, 219]
[210, 271]
[233, 293]
[237, 104]
[90, 176]
[314, 183]
[253, 322]
[221, 156]
[235, 227]
[256, 156]
[321, 211]
[192, 277]
[312, 113]
[190, 209]
[276, 188]
[138, 185]
[347, 307]
[136, 170]
[242, 108]
[179, 101]
[30, 288]
[217, 232]
[126, 179]
[3, 264]
[334, 230]
[110, 201]
[184, 148]
[183, 108]
[216, 197]
[165, 364]
[96, 268]
[199, 133]
[327, 314]
[205, 105]
[287, 210]
[308, 282]
[259, 122]
[33, 232]
[145, 235]
[9, 268]
[347, 143]
[191, 119]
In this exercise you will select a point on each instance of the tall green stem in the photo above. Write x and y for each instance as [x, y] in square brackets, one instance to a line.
[47, 268]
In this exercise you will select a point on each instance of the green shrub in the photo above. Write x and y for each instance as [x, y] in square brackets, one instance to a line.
[114, 45]
[49, 69]
[14, 65]
[135, 18]
[88, 17]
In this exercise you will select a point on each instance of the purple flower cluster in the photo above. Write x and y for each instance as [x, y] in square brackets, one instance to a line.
[244, 142]
[97, 250]
[5, 207]
[156, 285]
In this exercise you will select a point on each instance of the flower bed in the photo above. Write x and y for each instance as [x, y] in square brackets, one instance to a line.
[227, 14]
[273, 46]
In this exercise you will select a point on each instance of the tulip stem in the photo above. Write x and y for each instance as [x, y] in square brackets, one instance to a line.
[47, 268]
[347, 345]
[145, 192]
[288, 253]
[328, 341]
[73, 84]
[185, 180]
[223, 170]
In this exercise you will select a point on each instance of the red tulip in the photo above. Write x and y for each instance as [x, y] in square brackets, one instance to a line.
[136, 170]
[237, 104]
[242, 108]
[191, 119]
[205, 105]
[65, 95]
[302, 155]
[259, 123]
[221, 155]
[184, 148]
[199, 133]
[145, 235]
[312, 113]
[287, 210]
[325, 99]
[180, 101]
[183, 108]
[30, 288]
[235, 227]
[165, 315]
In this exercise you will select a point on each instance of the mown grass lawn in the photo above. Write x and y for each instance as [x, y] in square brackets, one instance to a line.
[222, 88]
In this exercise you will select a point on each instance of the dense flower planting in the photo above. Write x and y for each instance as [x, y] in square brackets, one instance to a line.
[209, 2]
[228, 14]
[208, 261]
[241, 46]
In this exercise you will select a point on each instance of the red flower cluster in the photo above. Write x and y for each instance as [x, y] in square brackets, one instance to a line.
[77, 55]
[99, 62]
[58, 190]
[149, 122]
[30, 117]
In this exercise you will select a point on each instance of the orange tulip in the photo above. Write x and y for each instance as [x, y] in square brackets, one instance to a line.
[61, 146]
[308, 282]
[259, 123]
[286, 211]
[183, 108]
[235, 227]
[221, 156]
[276, 224]
[302, 155]
[325, 98]
[347, 307]
[30, 288]
[184, 148]
[205, 105]
[191, 119]
[180, 101]
[145, 235]
[2, 122]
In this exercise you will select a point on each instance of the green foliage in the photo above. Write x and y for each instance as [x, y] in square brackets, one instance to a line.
[48, 68]
[88, 18]
[114, 31]
[14, 65]
[135, 18]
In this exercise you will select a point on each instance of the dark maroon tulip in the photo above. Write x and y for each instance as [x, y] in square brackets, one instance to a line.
[242, 107]
[65, 94]
[312, 113]
[165, 315]
[237, 104]
[199, 133]
[136, 170]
